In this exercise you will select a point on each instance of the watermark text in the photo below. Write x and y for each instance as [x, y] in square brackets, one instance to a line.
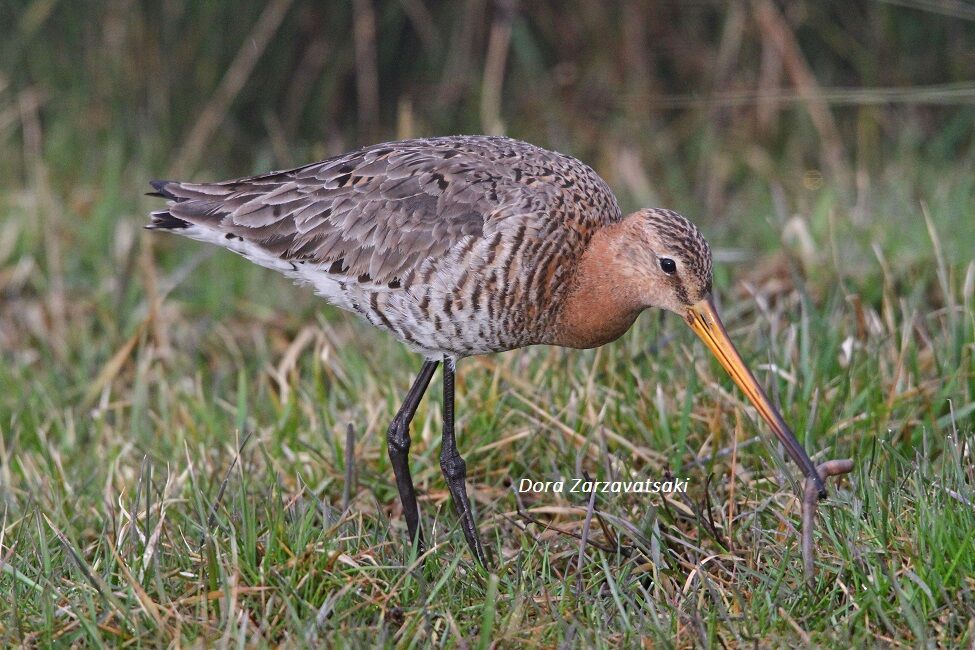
[584, 486]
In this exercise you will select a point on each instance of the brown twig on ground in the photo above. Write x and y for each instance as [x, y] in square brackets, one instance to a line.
[47, 213]
[810, 499]
[349, 488]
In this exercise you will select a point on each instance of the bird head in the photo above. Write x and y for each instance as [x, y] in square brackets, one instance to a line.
[674, 262]
[673, 257]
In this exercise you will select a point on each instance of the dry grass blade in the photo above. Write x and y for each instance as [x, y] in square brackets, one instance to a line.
[212, 518]
[236, 76]
[776, 29]
[700, 107]
[96, 582]
[929, 95]
[497, 56]
[584, 537]
[953, 8]
[114, 365]
[366, 75]
[349, 488]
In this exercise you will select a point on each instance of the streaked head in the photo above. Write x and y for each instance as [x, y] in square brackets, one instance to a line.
[674, 255]
[674, 260]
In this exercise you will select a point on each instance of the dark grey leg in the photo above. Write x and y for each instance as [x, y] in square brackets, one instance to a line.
[398, 444]
[455, 469]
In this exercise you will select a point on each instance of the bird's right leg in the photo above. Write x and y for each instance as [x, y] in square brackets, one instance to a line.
[398, 444]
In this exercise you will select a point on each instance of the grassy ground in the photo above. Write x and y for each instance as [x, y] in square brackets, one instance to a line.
[175, 466]
[174, 462]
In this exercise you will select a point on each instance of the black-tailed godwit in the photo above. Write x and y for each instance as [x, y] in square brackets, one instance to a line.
[467, 245]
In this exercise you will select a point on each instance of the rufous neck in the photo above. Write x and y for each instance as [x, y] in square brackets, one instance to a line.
[603, 300]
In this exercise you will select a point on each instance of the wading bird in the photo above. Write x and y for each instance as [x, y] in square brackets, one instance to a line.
[460, 246]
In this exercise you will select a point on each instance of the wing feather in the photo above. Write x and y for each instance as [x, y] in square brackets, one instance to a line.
[380, 211]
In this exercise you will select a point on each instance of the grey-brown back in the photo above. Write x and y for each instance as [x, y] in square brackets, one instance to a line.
[457, 245]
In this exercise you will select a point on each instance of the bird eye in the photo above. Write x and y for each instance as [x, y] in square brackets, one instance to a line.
[668, 265]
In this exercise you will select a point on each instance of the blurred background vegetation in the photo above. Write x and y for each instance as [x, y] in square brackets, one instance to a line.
[768, 123]
[825, 148]
[675, 101]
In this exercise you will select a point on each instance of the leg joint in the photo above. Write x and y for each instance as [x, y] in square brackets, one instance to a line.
[453, 466]
[398, 436]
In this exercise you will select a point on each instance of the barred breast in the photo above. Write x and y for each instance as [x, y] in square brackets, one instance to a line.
[455, 245]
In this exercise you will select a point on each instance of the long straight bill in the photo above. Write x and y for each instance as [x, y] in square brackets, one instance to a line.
[703, 319]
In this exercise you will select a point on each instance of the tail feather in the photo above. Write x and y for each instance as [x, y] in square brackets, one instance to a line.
[163, 219]
[162, 190]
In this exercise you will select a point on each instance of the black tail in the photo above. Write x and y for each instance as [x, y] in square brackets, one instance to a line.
[162, 219]
[161, 190]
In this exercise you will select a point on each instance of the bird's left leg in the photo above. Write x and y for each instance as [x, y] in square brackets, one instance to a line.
[455, 469]
[398, 442]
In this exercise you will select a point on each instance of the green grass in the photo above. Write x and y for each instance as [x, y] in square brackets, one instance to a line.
[173, 459]
[173, 450]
